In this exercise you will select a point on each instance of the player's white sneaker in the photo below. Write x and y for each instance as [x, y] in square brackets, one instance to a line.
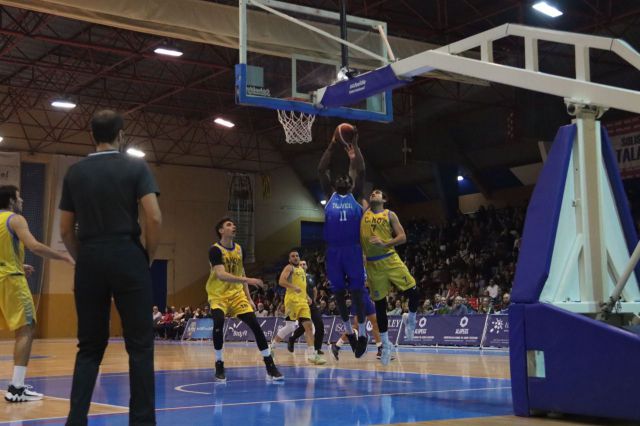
[23, 394]
[316, 359]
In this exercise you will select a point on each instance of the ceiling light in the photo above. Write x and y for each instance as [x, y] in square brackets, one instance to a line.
[460, 178]
[223, 122]
[547, 9]
[323, 202]
[135, 152]
[63, 104]
[1, 138]
[168, 51]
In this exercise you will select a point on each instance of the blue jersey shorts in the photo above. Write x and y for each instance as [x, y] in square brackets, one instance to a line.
[345, 268]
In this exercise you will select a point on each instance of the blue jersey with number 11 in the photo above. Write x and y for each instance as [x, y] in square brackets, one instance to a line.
[342, 216]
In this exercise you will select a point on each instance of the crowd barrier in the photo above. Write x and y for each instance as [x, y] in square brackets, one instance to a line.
[442, 330]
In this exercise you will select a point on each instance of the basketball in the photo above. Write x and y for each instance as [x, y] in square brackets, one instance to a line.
[344, 133]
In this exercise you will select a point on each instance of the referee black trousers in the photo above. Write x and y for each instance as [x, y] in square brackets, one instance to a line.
[115, 268]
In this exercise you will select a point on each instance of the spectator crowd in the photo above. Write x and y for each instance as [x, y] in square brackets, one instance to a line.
[463, 267]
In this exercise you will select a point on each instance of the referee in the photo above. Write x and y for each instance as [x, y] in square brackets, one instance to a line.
[100, 195]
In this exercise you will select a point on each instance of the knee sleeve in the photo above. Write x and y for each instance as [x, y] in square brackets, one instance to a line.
[218, 328]
[381, 314]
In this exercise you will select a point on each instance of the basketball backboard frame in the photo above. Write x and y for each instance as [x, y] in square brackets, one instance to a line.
[379, 108]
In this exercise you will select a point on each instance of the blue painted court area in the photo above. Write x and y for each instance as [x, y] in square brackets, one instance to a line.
[309, 396]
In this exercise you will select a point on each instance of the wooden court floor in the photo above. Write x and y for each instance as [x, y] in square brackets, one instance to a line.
[52, 362]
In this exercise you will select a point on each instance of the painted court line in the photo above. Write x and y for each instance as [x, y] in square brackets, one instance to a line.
[231, 404]
[284, 401]
[181, 387]
[120, 407]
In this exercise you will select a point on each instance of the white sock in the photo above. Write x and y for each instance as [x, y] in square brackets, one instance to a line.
[339, 343]
[311, 350]
[19, 372]
[378, 344]
[362, 329]
[219, 355]
[347, 327]
[265, 353]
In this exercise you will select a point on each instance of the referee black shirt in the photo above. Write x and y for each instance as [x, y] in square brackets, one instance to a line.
[103, 191]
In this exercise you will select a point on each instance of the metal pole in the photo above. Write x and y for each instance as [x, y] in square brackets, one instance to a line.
[608, 306]
[343, 34]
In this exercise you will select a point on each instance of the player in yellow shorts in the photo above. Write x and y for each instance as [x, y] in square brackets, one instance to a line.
[228, 293]
[296, 303]
[380, 232]
[17, 312]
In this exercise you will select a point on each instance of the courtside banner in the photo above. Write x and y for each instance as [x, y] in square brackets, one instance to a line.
[447, 330]
[198, 328]
[497, 334]
[237, 331]
[338, 329]
[394, 323]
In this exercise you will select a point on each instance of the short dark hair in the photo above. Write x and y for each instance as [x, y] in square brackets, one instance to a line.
[384, 194]
[105, 126]
[221, 223]
[8, 193]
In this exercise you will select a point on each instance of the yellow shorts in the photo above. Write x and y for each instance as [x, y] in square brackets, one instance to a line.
[232, 305]
[297, 309]
[382, 273]
[16, 303]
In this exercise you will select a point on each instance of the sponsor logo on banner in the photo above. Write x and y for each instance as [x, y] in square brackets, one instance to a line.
[394, 322]
[258, 91]
[198, 328]
[446, 330]
[625, 141]
[268, 328]
[497, 331]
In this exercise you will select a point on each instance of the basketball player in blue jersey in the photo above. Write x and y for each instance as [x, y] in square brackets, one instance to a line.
[342, 234]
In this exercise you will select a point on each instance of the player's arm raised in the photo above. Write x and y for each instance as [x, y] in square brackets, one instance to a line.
[356, 166]
[286, 278]
[323, 170]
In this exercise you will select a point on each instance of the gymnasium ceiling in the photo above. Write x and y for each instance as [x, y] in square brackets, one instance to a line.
[170, 103]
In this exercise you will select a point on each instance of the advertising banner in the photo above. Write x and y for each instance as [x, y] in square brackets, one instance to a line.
[497, 334]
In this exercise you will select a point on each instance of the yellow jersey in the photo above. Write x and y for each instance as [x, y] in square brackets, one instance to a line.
[298, 279]
[231, 258]
[11, 248]
[379, 225]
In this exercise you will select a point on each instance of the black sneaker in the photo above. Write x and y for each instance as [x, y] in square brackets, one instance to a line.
[320, 352]
[335, 350]
[361, 346]
[290, 344]
[272, 370]
[23, 394]
[379, 354]
[220, 377]
[353, 341]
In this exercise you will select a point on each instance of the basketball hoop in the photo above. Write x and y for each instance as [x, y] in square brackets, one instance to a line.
[297, 126]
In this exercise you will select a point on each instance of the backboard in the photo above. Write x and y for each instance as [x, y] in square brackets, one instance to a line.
[287, 52]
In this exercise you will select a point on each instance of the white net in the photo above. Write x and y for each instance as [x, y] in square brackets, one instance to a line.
[297, 126]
